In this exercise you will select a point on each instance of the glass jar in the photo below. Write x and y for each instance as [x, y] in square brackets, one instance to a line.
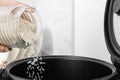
[21, 30]
[14, 22]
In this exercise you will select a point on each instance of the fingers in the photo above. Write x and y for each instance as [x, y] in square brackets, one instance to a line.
[4, 48]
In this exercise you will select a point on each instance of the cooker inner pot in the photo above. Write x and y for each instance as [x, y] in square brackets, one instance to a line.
[66, 69]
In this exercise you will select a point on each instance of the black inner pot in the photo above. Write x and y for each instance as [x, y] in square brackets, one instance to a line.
[65, 68]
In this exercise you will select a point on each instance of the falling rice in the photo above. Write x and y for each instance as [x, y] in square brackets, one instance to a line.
[35, 68]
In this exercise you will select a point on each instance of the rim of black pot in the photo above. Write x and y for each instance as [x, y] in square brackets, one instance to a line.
[106, 64]
[110, 39]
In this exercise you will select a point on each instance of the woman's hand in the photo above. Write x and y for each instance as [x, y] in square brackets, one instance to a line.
[7, 2]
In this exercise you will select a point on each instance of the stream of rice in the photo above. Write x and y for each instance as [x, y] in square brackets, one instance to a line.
[35, 68]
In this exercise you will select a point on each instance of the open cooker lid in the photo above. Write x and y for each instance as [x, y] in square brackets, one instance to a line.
[112, 27]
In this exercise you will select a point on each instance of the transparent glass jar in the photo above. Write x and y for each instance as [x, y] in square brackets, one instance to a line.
[21, 30]
[14, 22]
